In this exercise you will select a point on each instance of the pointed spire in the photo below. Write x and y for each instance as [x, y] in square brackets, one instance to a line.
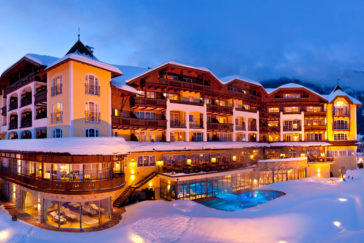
[78, 33]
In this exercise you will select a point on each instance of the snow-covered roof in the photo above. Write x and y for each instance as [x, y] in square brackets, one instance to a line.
[177, 64]
[282, 160]
[339, 93]
[74, 145]
[128, 73]
[41, 59]
[294, 85]
[230, 78]
[87, 60]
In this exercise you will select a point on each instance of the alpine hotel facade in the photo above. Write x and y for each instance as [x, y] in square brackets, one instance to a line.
[179, 130]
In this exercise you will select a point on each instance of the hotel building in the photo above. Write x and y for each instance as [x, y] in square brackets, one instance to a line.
[80, 135]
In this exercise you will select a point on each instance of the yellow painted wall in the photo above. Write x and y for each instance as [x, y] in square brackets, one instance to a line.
[352, 135]
[330, 135]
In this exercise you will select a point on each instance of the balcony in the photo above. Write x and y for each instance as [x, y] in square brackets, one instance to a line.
[178, 124]
[196, 126]
[220, 126]
[251, 109]
[239, 128]
[3, 111]
[41, 114]
[41, 96]
[341, 111]
[13, 125]
[57, 117]
[273, 129]
[64, 187]
[13, 105]
[187, 102]
[292, 129]
[184, 85]
[315, 127]
[311, 113]
[252, 128]
[92, 116]
[343, 128]
[142, 102]
[26, 100]
[134, 123]
[26, 122]
[216, 109]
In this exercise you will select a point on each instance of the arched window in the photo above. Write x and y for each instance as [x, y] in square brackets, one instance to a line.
[341, 125]
[57, 133]
[92, 85]
[92, 113]
[13, 135]
[26, 134]
[340, 136]
[92, 132]
[56, 87]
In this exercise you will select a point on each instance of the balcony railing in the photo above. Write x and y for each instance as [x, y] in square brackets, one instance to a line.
[68, 187]
[220, 109]
[13, 125]
[26, 100]
[252, 128]
[26, 122]
[196, 126]
[92, 89]
[183, 84]
[178, 124]
[13, 105]
[92, 116]
[135, 123]
[341, 127]
[318, 113]
[56, 117]
[220, 126]
[251, 109]
[292, 129]
[41, 96]
[239, 128]
[187, 102]
[142, 102]
[315, 127]
[41, 115]
[341, 112]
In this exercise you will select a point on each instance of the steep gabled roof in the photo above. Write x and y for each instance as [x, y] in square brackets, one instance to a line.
[293, 86]
[80, 48]
[231, 78]
[338, 92]
[202, 69]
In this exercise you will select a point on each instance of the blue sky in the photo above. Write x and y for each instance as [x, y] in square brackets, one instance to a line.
[311, 40]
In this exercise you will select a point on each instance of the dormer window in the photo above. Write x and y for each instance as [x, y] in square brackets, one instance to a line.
[291, 96]
[56, 87]
[92, 86]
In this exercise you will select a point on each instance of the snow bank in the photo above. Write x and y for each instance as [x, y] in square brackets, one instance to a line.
[74, 146]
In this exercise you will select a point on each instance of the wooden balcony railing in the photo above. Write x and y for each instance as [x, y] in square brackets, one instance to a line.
[196, 126]
[315, 127]
[135, 123]
[185, 102]
[220, 126]
[311, 113]
[177, 124]
[26, 100]
[239, 128]
[64, 187]
[147, 102]
[184, 85]
[292, 129]
[251, 109]
[40, 97]
[220, 109]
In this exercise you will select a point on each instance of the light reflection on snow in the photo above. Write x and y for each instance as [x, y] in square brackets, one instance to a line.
[136, 238]
[4, 235]
[337, 223]
[341, 199]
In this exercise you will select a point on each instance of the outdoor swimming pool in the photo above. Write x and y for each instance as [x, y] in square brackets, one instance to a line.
[234, 202]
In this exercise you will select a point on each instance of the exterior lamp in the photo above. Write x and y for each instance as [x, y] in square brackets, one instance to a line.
[189, 161]
[322, 154]
[282, 156]
[150, 184]
[160, 163]
[132, 163]
[318, 173]
[252, 156]
[213, 160]
[234, 158]
[303, 155]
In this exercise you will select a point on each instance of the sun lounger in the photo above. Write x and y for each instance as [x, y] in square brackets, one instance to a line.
[55, 217]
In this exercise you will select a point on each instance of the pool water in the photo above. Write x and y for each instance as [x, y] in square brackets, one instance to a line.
[234, 202]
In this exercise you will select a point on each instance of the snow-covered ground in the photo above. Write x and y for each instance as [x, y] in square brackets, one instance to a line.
[313, 210]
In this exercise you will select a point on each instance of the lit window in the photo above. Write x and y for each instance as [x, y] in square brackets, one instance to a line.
[313, 109]
[57, 113]
[273, 123]
[56, 87]
[291, 109]
[91, 112]
[291, 96]
[273, 109]
[340, 136]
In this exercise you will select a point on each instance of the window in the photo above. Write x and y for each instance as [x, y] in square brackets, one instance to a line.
[341, 109]
[273, 109]
[92, 85]
[56, 87]
[146, 136]
[146, 160]
[291, 109]
[292, 125]
[57, 133]
[291, 96]
[149, 94]
[92, 132]
[145, 115]
[116, 112]
[313, 109]
[341, 125]
[173, 96]
[91, 112]
[197, 136]
[273, 123]
[340, 136]
[57, 113]
[315, 122]
[314, 137]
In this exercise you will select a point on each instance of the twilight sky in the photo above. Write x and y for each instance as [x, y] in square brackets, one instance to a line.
[311, 40]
